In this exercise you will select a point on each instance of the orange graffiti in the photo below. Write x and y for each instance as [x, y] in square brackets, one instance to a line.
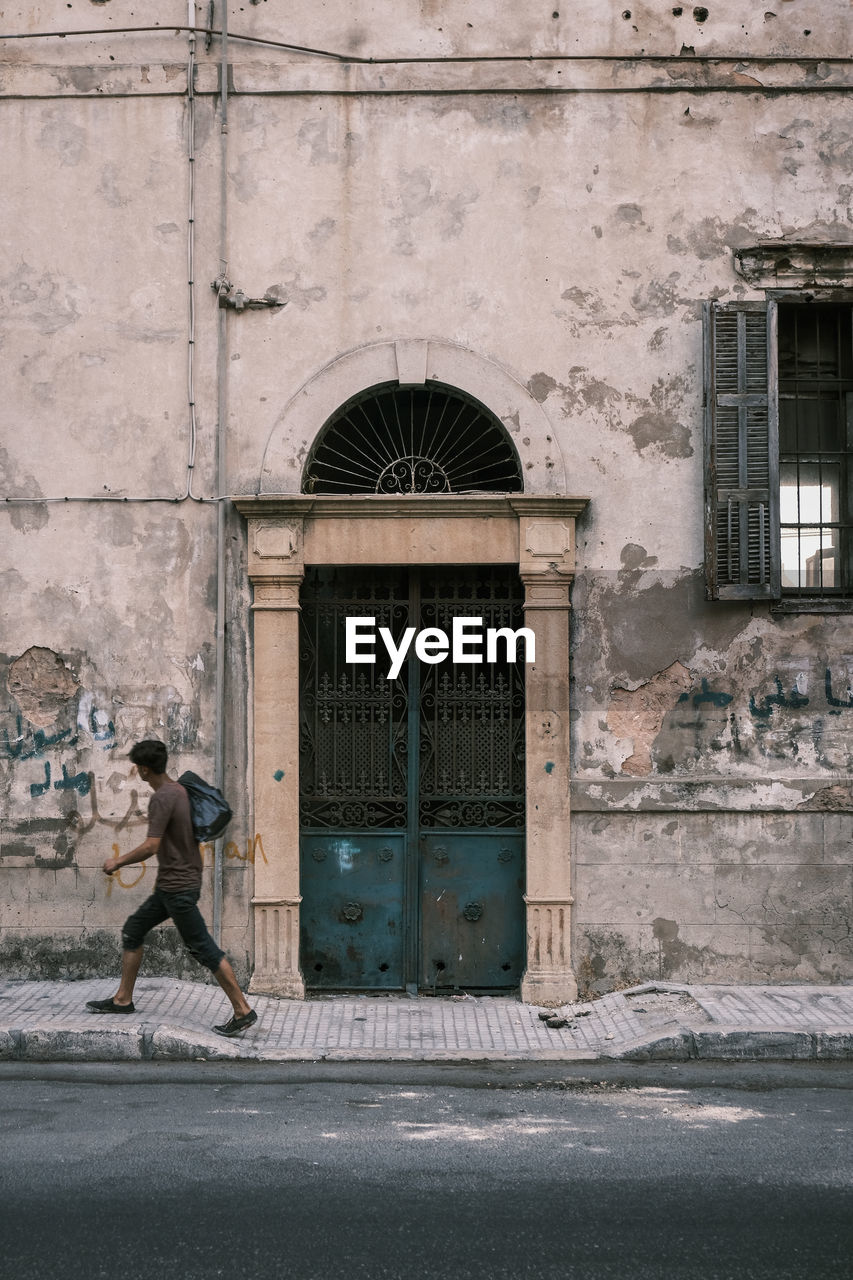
[116, 876]
[234, 853]
[124, 885]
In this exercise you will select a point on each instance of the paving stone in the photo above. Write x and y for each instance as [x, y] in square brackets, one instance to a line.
[41, 1021]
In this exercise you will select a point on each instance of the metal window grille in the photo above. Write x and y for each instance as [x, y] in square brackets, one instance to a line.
[399, 440]
[815, 449]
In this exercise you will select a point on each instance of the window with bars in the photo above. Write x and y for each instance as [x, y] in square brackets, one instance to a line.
[779, 437]
[815, 440]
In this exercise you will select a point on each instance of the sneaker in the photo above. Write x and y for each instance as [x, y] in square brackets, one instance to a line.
[109, 1006]
[237, 1023]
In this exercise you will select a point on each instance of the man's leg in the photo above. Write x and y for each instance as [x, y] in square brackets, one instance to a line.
[195, 935]
[151, 913]
[227, 980]
[130, 962]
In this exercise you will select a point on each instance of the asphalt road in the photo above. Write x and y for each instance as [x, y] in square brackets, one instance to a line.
[229, 1173]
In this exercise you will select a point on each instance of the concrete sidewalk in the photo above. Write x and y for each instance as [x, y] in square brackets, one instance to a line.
[48, 1022]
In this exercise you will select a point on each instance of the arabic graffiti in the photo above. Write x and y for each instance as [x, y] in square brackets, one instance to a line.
[798, 712]
[41, 788]
[133, 816]
[762, 707]
[707, 695]
[793, 700]
[233, 853]
[29, 746]
[86, 785]
[833, 701]
[118, 877]
[27, 743]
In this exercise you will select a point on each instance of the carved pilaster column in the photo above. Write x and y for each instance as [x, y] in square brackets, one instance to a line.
[546, 565]
[276, 570]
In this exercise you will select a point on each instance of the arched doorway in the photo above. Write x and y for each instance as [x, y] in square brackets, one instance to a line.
[422, 544]
[411, 771]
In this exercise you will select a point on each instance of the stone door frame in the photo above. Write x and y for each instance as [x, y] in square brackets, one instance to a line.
[287, 532]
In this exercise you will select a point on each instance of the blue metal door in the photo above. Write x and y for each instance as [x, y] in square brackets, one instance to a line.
[412, 789]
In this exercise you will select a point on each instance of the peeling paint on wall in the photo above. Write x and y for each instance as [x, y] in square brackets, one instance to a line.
[41, 684]
[637, 715]
[660, 427]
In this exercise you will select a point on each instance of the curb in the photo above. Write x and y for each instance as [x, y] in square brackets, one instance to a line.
[168, 1043]
[733, 1044]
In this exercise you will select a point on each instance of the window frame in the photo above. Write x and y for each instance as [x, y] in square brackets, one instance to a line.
[788, 600]
[819, 599]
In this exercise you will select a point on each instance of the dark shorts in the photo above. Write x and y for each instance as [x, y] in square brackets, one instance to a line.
[182, 909]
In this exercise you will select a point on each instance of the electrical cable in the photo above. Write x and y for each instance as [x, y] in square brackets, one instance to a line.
[193, 30]
[792, 59]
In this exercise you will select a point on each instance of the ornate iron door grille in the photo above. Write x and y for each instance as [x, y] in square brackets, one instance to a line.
[355, 739]
[353, 720]
[412, 790]
[471, 757]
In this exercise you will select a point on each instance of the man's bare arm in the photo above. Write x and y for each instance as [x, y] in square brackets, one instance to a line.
[139, 854]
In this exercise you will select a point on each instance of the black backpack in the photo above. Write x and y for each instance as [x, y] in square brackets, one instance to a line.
[209, 810]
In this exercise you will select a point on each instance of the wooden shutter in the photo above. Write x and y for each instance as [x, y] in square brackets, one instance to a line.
[742, 545]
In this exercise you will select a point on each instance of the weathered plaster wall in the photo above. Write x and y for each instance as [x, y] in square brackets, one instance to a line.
[563, 220]
[107, 639]
[612, 217]
[616, 214]
[712, 896]
[109, 571]
[733, 727]
[483, 28]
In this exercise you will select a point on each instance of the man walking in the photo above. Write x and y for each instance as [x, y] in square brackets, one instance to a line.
[176, 892]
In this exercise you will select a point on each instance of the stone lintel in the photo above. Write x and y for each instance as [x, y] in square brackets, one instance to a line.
[271, 506]
[779, 264]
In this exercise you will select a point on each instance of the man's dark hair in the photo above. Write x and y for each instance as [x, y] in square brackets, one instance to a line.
[151, 754]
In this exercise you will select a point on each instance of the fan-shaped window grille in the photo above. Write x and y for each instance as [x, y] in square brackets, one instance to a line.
[399, 440]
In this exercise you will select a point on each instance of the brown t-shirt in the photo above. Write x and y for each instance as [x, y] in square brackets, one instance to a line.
[169, 821]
